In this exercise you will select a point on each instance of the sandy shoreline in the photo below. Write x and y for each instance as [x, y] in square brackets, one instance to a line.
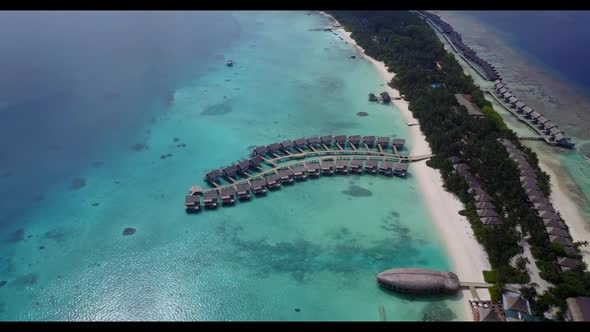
[467, 255]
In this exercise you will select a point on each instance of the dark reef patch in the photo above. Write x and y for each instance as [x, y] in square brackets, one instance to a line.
[394, 214]
[218, 109]
[38, 197]
[362, 114]
[78, 183]
[357, 191]
[3, 283]
[139, 147]
[181, 145]
[26, 280]
[437, 312]
[95, 204]
[16, 236]
[176, 139]
[41, 247]
[129, 231]
[169, 155]
[163, 156]
[5, 174]
[58, 234]
[297, 310]
[98, 164]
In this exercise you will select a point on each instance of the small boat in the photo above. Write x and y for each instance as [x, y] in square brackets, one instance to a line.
[230, 63]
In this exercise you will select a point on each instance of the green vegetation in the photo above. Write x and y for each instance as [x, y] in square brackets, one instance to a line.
[411, 49]
[496, 292]
[490, 276]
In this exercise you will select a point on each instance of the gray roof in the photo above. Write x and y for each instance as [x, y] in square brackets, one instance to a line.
[548, 215]
[557, 231]
[487, 213]
[520, 104]
[564, 241]
[356, 162]
[401, 166]
[371, 163]
[512, 100]
[210, 195]
[535, 114]
[513, 301]
[553, 223]
[568, 262]
[491, 221]
[488, 315]
[484, 205]
[312, 166]
[548, 125]
[555, 130]
[559, 136]
[542, 120]
[527, 109]
[543, 207]
[483, 198]
[579, 308]
[257, 183]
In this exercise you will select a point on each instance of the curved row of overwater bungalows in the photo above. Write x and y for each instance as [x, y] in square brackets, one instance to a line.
[246, 182]
[533, 117]
[491, 73]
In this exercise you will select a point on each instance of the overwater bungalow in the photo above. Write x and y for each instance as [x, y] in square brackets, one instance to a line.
[286, 145]
[519, 105]
[340, 140]
[555, 231]
[243, 191]
[228, 196]
[491, 221]
[258, 186]
[371, 166]
[540, 120]
[327, 140]
[299, 172]
[372, 97]
[255, 161]
[230, 171]
[497, 81]
[386, 168]
[354, 140]
[272, 181]
[563, 241]
[210, 199]
[369, 141]
[398, 143]
[383, 141]
[419, 281]
[526, 110]
[286, 176]
[313, 169]
[243, 166]
[273, 148]
[553, 223]
[213, 176]
[356, 166]
[385, 97]
[502, 91]
[259, 150]
[557, 137]
[487, 213]
[400, 169]
[192, 203]
[506, 96]
[300, 143]
[547, 126]
[554, 131]
[534, 115]
[341, 166]
[498, 86]
[327, 167]
[512, 101]
[566, 263]
[313, 141]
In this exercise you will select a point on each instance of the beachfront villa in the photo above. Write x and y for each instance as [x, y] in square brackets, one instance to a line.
[515, 307]
[578, 309]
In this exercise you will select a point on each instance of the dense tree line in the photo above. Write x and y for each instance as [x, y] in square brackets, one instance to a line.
[412, 50]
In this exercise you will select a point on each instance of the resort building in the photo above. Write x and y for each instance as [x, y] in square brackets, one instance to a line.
[578, 309]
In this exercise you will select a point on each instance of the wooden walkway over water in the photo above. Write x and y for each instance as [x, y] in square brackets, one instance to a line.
[278, 163]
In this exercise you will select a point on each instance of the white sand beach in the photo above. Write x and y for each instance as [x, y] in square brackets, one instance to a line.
[468, 256]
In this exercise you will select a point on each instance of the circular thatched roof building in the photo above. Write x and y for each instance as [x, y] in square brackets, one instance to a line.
[419, 281]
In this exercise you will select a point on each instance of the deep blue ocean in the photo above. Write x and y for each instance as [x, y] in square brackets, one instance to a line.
[558, 39]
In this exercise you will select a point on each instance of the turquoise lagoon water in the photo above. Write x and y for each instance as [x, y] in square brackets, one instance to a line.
[306, 252]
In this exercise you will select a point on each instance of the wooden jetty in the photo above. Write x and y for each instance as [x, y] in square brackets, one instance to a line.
[284, 163]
